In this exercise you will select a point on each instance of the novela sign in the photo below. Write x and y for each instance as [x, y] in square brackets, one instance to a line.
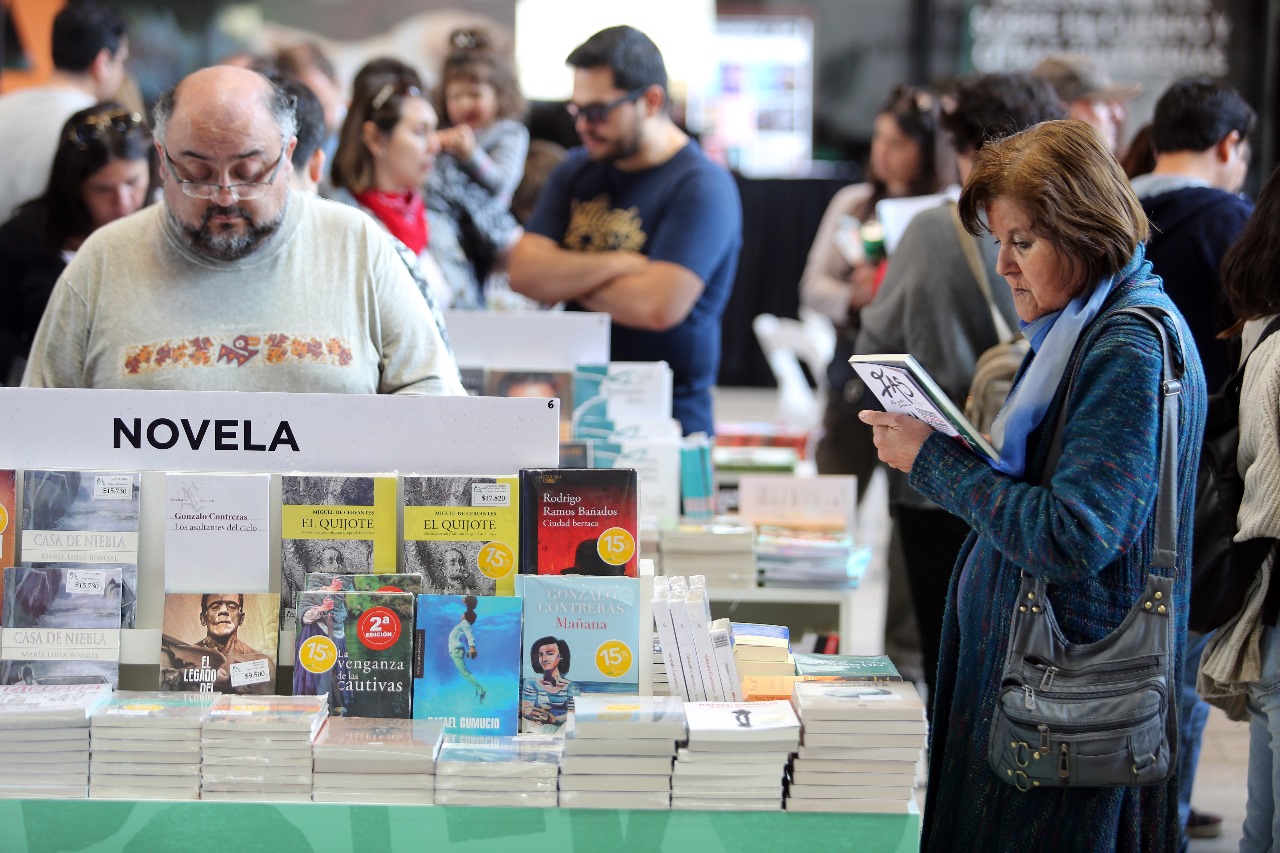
[163, 433]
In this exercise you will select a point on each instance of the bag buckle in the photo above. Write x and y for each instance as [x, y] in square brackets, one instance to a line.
[1169, 387]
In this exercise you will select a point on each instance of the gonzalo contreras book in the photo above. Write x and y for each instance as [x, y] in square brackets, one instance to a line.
[462, 533]
[579, 521]
[340, 524]
[217, 532]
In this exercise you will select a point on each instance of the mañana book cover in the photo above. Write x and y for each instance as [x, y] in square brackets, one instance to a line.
[581, 635]
[61, 626]
[357, 649]
[220, 642]
[467, 663]
[79, 518]
[576, 521]
[462, 533]
[344, 525]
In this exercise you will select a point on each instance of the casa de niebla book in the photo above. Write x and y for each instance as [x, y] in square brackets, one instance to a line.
[8, 525]
[472, 695]
[398, 582]
[357, 649]
[83, 518]
[220, 642]
[576, 521]
[61, 626]
[340, 524]
[900, 384]
[217, 529]
[581, 635]
[462, 533]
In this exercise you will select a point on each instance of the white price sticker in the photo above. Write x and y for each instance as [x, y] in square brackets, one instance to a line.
[250, 672]
[119, 488]
[86, 582]
[490, 494]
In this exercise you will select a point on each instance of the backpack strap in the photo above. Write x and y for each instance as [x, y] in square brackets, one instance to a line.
[969, 248]
[1166, 543]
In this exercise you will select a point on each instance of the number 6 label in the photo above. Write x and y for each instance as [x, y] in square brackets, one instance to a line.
[616, 546]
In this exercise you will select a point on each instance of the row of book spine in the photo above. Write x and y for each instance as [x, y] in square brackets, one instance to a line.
[697, 650]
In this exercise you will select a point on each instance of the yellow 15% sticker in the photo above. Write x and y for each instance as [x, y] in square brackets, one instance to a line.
[613, 658]
[495, 560]
[317, 654]
[616, 546]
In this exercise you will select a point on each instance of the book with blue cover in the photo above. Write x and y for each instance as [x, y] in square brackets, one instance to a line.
[467, 663]
[581, 635]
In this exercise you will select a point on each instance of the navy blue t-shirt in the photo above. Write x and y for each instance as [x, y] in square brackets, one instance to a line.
[685, 211]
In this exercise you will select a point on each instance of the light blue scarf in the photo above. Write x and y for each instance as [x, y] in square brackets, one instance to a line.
[1053, 338]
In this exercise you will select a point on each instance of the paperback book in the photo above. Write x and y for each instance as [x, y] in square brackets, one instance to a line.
[220, 642]
[612, 716]
[80, 518]
[462, 533]
[900, 384]
[50, 706]
[397, 582]
[217, 527]
[344, 525]
[592, 620]
[467, 663]
[357, 649]
[8, 525]
[61, 626]
[577, 521]
[814, 667]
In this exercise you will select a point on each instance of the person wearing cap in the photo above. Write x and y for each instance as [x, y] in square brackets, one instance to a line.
[1089, 94]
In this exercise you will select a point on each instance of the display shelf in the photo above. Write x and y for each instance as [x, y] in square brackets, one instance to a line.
[105, 826]
[852, 606]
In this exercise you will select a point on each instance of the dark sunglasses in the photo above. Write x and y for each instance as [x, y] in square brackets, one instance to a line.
[596, 113]
[91, 128]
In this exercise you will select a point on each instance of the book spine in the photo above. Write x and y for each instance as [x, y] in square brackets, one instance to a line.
[700, 626]
[670, 647]
[722, 645]
[685, 642]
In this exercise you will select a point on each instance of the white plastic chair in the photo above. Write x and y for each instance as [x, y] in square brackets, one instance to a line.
[786, 343]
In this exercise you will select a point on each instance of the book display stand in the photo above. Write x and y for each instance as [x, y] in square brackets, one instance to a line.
[172, 431]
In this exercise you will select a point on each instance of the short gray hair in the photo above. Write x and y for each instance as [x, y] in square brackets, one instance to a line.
[282, 105]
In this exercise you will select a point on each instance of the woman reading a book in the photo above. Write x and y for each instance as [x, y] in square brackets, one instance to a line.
[544, 701]
[1071, 236]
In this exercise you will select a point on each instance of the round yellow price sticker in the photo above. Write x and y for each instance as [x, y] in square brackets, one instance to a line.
[616, 546]
[495, 560]
[317, 654]
[613, 659]
[4, 519]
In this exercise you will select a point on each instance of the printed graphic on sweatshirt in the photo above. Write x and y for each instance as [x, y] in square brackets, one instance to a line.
[237, 351]
[596, 227]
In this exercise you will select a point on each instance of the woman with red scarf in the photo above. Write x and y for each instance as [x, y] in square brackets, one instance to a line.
[385, 150]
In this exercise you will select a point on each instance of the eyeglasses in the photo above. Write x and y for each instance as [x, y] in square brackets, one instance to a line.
[596, 113]
[92, 127]
[238, 192]
[230, 606]
[384, 94]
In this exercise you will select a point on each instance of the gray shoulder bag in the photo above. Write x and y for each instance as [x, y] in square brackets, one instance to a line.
[1097, 714]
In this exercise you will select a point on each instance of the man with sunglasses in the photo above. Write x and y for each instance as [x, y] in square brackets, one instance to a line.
[236, 283]
[89, 47]
[637, 222]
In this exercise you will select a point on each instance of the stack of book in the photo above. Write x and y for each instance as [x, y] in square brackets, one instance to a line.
[498, 771]
[723, 551]
[44, 738]
[367, 760]
[259, 747]
[810, 559]
[811, 667]
[146, 745]
[661, 681]
[618, 751]
[860, 746]
[762, 652]
[736, 756]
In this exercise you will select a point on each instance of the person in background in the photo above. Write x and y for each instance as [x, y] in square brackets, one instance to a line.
[908, 158]
[932, 306]
[103, 169]
[1089, 95]
[307, 63]
[1248, 646]
[483, 147]
[637, 223]
[1140, 159]
[1071, 236]
[90, 47]
[235, 282]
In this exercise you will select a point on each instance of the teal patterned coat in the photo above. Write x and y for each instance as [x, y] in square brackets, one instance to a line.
[1090, 533]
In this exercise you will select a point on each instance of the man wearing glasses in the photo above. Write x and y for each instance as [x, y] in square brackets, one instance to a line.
[236, 283]
[637, 222]
[221, 662]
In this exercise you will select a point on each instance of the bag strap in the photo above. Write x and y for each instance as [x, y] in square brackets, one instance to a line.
[1166, 544]
[969, 248]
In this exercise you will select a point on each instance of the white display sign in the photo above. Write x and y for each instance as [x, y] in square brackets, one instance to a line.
[779, 499]
[241, 432]
[538, 340]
